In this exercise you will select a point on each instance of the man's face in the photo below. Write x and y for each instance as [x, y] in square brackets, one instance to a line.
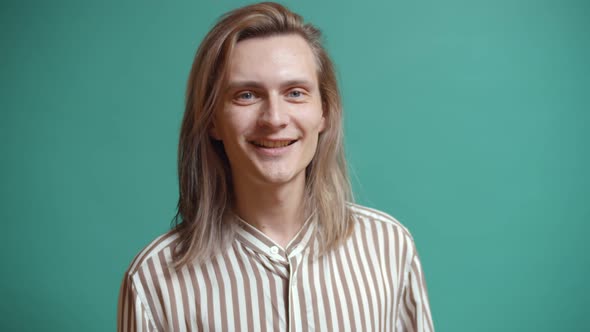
[272, 112]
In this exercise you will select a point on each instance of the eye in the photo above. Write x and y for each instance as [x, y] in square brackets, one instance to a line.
[245, 98]
[245, 95]
[295, 94]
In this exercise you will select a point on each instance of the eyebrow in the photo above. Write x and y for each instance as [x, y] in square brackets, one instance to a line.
[254, 84]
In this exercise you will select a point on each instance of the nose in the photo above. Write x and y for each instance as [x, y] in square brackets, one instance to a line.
[274, 113]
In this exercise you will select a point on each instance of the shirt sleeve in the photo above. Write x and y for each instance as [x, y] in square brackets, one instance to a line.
[414, 309]
[132, 314]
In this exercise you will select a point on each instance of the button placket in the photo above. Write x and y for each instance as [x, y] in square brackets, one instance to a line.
[292, 287]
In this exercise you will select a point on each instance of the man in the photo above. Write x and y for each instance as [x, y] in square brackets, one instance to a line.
[268, 239]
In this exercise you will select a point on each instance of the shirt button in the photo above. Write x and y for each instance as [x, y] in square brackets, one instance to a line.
[274, 250]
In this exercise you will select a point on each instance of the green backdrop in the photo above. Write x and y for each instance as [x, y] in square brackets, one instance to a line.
[466, 120]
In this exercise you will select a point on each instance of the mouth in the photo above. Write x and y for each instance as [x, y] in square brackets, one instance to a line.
[272, 144]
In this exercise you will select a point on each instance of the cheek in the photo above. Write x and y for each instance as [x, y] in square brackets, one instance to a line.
[234, 123]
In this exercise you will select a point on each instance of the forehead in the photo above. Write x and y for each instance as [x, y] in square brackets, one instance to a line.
[273, 59]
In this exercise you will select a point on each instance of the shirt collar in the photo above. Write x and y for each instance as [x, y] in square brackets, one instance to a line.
[257, 241]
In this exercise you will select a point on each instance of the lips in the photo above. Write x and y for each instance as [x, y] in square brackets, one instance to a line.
[273, 144]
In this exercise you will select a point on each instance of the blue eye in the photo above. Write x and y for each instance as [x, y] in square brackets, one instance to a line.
[295, 93]
[246, 95]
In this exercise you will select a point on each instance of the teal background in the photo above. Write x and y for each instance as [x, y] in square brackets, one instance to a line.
[466, 120]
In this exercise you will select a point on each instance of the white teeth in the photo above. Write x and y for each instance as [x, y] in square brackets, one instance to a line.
[272, 144]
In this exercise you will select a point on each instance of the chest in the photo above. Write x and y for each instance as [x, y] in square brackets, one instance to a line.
[245, 291]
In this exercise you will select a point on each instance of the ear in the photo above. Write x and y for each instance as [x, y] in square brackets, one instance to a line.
[323, 123]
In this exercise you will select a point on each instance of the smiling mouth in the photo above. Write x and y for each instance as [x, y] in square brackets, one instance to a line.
[273, 144]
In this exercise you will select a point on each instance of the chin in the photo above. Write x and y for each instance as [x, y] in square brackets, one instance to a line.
[270, 177]
[276, 179]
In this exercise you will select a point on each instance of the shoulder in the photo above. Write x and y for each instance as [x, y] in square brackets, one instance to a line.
[391, 241]
[156, 253]
[366, 215]
[373, 220]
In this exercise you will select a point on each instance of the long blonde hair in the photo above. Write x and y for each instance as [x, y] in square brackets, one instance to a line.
[203, 169]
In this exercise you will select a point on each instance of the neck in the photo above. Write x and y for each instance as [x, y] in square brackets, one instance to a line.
[276, 210]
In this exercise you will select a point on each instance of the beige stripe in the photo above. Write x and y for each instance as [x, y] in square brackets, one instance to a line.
[283, 298]
[217, 289]
[175, 293]
[354, 267]
[156, 292]
[221, 286]
[360, 262]
[251, 297]
[274, 301]
[210, 306]
[425, 301]
[266, 291]
[337, 295]
[137, 323]
[344, 295]
[406, 270]
[130, 308]
[185, 302]
[257, 286]
[397, 271]
[233, 290]
[351, 289]
[315, 289]
[142, 321]
[409, 298]
[292, 296]
[301, 290]
[148, 292]
[242, 299]
[325, 283]
[191, 299]
[198, 298]
[169, 289]
[372, 266]
[377, 273]
[141, 312]
[127, 303]
[420, 291]
[406, 323]
[383, 253]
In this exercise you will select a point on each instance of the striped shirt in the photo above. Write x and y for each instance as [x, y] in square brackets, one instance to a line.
[373, 282]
